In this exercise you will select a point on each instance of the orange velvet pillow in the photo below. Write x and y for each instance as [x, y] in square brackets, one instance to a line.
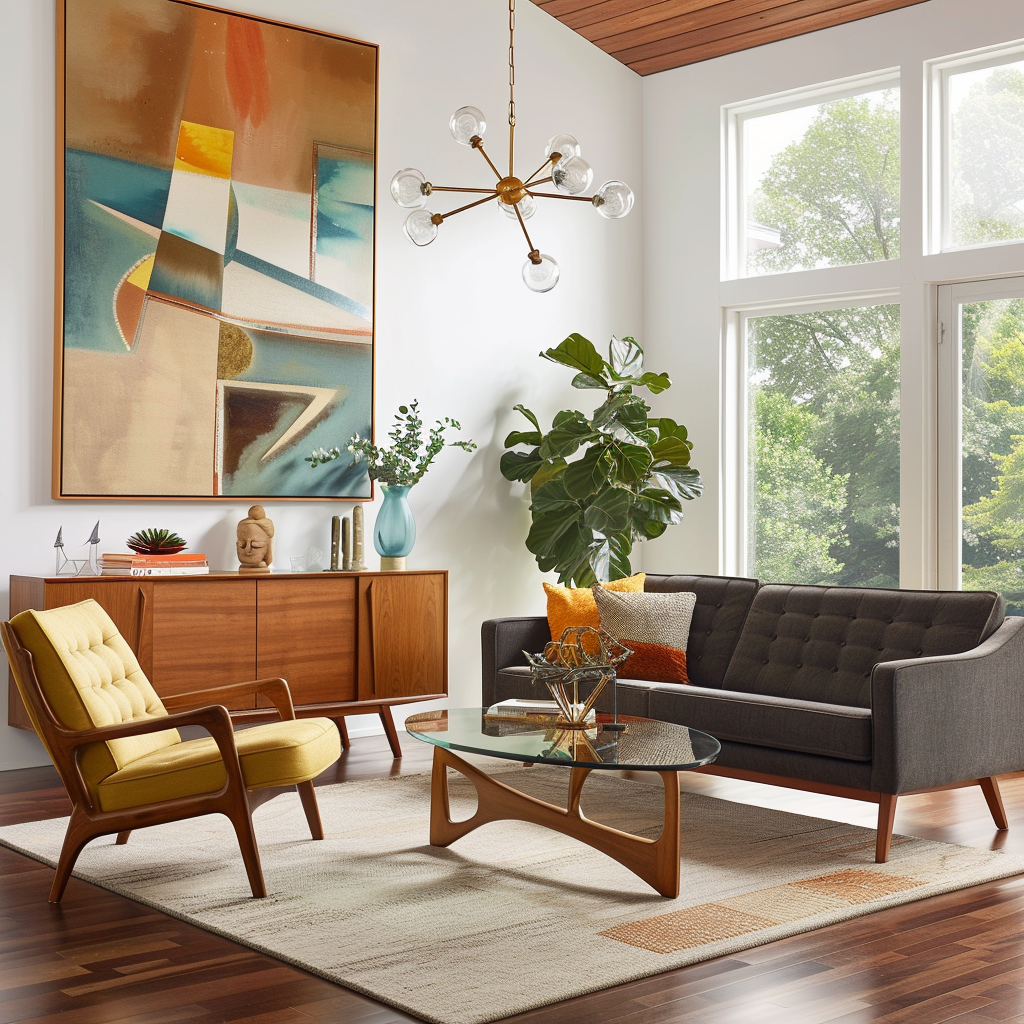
[569, 606]
[658, 663]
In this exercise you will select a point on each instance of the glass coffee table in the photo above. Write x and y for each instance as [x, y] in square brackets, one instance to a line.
[642, 745]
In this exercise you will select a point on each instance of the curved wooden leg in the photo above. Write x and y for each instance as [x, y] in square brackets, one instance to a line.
[656, 861]
[343, 729]
[886, 817]
[312, 811]
[122, 837]
[241, 819]
[80, 832]
[994, 799]
[390, 730]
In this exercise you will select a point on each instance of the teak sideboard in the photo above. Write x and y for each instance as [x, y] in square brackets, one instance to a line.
[347, 643]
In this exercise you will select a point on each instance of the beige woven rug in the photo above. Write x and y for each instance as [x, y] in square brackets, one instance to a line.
[511, 916]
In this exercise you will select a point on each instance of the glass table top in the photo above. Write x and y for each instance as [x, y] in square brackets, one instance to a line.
[643, 745]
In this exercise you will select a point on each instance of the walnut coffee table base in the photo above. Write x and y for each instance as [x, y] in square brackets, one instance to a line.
[656, 861]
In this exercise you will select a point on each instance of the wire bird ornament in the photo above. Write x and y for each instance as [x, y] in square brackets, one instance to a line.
[77, 566]
[583, 655]
[563, 167]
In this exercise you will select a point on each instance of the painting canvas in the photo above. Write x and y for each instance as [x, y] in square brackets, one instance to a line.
[217, 251]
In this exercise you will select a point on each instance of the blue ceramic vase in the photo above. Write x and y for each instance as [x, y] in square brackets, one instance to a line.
[394, 532]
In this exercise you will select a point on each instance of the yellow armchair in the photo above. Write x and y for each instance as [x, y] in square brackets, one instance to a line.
[117, 748]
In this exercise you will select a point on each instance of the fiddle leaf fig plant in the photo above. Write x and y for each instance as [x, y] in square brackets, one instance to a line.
[599, 484]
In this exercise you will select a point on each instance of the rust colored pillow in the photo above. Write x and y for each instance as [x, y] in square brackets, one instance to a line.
[658, 663]
[570, 606]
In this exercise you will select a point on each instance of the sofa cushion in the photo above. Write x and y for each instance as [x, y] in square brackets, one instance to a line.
[718, 616]
[821, 643]
[575, 606]
[829, 730]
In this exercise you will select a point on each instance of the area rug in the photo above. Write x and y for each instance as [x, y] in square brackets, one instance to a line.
[512, 916]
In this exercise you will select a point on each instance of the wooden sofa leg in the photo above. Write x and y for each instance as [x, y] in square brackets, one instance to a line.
[122, 837]
[78, 834]
[309, 805]
[994, 799]
[886, 817]
[390, 730]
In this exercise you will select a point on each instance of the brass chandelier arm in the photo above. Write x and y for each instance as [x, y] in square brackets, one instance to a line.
[479, 147]
[522, 224]
[468, 206]
[540, 181]
[558, 195]
[532, 179]
[456, 188]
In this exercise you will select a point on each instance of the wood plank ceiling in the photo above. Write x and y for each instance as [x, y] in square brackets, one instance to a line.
[655, 35]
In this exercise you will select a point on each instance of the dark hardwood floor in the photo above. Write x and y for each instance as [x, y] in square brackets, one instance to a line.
[100, 958]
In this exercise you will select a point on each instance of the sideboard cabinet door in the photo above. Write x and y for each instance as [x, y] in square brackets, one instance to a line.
[402, 635]
[203, 634]
[307, 635]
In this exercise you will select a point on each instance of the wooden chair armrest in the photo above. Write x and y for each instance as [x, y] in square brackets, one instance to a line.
[275, 690]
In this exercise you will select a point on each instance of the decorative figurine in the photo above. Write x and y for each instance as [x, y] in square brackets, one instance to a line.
[77, 566]
[94, 547]
[358, 565]
[346, 545]
[335, 542]
[255, 533]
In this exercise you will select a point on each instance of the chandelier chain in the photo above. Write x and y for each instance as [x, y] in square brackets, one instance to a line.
[511, 63]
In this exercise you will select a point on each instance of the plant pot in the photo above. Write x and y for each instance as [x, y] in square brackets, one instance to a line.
[394, 532]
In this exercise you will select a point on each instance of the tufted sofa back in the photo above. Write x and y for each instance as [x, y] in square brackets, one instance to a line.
[718, 617]
[821, 643]
[91, 678]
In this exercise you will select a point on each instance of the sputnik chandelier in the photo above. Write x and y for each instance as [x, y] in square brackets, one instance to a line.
[563, 167]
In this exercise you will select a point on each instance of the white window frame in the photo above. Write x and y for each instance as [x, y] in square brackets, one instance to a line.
[734, 247]
[735, 512]
[937, 76]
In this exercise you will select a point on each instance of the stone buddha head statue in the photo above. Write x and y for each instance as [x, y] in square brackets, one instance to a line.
[254, 541]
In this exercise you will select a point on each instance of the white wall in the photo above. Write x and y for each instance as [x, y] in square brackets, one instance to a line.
[455, 325]
[684, 296]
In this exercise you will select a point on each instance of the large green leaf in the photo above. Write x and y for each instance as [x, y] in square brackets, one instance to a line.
[579, 354]
[670, 451]
[669, 428]
[608, 513]
[586, 381]
[520, 465]
[571, 429]
[625, 356]
[683, 481]
[631, 462]
[523, 437]
[609, 558]
[552, 496]
[549, 528]
[585, 477]
[519, 407]
[657, 505]
[655, 382]
[547, 472]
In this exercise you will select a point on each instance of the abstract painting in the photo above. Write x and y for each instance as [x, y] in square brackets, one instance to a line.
[218, 176]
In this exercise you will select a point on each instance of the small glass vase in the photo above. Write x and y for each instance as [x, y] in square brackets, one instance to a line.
[394, 532]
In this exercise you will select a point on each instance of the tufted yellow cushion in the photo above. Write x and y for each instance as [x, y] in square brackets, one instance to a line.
[276, 754]
[91, 678]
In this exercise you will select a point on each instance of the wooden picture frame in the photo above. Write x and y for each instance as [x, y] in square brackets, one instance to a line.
[214, 307]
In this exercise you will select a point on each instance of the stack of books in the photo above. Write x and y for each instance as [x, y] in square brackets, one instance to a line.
[520, 708]
[185, 563]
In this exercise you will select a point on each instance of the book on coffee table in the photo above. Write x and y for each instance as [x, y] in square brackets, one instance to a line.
[521, 707]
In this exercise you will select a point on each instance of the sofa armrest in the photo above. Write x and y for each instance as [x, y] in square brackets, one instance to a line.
[502, 643]
[937, 721]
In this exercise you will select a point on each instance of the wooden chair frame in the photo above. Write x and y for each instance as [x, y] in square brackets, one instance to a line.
[88, 821]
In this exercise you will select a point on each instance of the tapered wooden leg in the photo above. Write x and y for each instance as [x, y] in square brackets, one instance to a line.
[309, 805]
[343, 729]
[390, 730]
[886, 816]
[78, 834]
[994, 799]
[122, 837]
[241, 819]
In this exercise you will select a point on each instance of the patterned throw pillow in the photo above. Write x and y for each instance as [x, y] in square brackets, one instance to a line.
[655, 626]
[571, 606]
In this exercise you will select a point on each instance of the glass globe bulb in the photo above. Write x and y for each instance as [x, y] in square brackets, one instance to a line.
[572, 176]
[420, 228]
[565, 145]
[407, 188]
[465, 123]
[527, 208]
[614, 199]
[541, 277]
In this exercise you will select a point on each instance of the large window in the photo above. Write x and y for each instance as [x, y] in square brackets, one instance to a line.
[823, 416]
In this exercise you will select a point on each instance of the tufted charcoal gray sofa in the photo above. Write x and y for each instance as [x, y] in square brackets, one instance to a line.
[855, 692]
